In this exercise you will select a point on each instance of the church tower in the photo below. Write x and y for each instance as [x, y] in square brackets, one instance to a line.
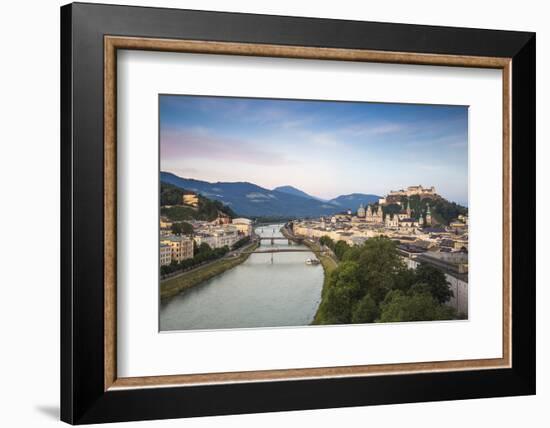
[369, 213]
[380, 214]
[428, 215]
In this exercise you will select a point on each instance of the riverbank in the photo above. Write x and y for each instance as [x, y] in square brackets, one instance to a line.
[329, 264]
[173, 286]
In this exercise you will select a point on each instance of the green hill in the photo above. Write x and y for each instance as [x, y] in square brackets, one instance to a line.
[171, 206]
[443, 211]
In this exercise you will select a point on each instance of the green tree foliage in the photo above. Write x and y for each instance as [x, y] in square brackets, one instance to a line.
[182, 228]
[391, 209]
[434, 282]
[379, 263]
[446, 211]
[327, 242]
[370, 277]
[170, 195]
[241, 242]
[340, 249]
[441, 209]
[365, 311]
[415, 306]
[343, 291]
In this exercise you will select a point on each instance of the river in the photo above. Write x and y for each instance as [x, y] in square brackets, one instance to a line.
[256, 293]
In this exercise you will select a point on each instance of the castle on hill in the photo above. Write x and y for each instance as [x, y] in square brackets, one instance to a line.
[414, 190]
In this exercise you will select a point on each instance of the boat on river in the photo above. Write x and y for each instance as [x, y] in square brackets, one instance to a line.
[312, 262]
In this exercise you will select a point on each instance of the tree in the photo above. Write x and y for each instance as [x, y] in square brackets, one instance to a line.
[340, 248]
[365, 311]
[204, 247]
[418, 306]
[379, 266]
[243, 241]
[170, 194]
[342, 291]
[182, 228]
[326, 241]
[434, 282]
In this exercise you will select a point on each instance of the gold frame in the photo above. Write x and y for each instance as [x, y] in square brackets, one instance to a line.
[112, 43]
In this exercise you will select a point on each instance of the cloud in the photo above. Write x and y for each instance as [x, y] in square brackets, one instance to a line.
[363, 130]
[198, 143]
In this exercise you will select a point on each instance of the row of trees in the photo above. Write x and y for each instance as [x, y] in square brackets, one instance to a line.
[182, 228]
[202, 253]
[338, 248]
[372, 284]
[241, 242]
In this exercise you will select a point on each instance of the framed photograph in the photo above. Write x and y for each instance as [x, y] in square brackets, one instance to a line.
[266, 213]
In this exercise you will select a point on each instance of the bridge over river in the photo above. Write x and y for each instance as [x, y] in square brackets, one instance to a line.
[263, 250]
[280, 238]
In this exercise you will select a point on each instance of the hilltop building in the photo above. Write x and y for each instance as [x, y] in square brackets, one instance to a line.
[191, 199]
[414, 190]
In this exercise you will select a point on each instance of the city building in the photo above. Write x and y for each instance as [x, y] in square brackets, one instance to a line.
[181, 246]
[217, 237]
[373, 216]
[165, 254]
[243, 225]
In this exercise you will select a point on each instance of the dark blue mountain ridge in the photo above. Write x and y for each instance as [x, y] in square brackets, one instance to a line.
[250, 200]
[291, 190]
[353, 200]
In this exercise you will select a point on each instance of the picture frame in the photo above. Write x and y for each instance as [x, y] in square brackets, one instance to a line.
[91, 35]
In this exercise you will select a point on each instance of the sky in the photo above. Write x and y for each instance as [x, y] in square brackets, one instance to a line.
[325, 148]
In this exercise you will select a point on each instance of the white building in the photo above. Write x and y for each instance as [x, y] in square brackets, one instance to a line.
[243, 225]
[218, 237]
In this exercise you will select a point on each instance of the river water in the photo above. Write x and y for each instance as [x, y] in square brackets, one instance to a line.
[256, 293]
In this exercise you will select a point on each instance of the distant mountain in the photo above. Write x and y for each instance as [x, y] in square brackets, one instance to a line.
[250, 200]
[294, 191]
[353, 200]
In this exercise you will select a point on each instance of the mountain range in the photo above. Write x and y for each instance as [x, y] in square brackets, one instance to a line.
[251, 200]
